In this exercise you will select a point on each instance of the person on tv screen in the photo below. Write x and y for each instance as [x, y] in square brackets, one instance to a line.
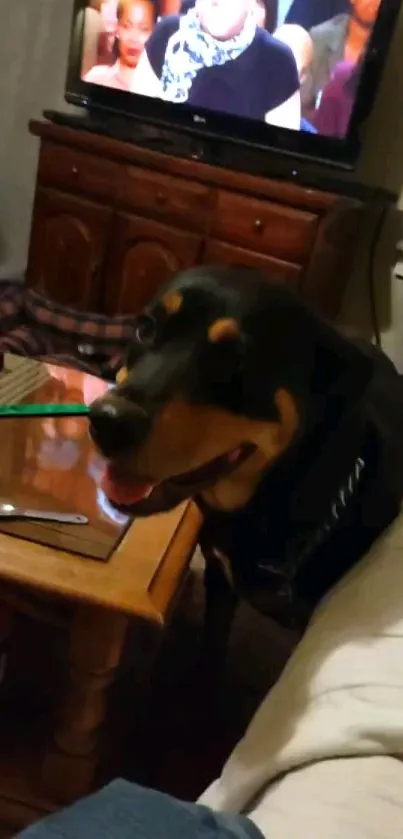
[301, 44]
[261, 10]
[265, 13]
[337, 101]
[309, 13]
[106, 41]
[217, 57]
[135, 22]
[88, 21]
[342, 38]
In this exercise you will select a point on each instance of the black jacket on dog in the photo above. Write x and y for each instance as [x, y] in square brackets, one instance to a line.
[320, 508]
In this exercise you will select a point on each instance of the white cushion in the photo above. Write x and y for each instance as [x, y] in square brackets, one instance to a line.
[340, 695]
[345, 798]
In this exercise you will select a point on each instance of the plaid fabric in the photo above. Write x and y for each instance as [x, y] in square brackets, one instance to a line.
[32, 325]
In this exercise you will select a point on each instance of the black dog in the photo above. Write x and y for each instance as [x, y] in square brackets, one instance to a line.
[286, 434]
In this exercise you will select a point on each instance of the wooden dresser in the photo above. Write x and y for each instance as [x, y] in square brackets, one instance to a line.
[113, 220]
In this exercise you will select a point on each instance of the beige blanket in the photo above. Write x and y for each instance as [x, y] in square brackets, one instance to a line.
[321, 758]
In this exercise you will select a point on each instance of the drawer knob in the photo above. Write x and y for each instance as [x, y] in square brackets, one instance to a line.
[74, 170]
[258, 225]
[161, 198]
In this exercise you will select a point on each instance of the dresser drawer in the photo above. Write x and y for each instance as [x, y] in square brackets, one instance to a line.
[277, 270]
[264, 227]
[163, 196]
[79, 172]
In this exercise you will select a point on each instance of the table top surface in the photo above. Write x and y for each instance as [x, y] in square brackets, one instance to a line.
[51, 464]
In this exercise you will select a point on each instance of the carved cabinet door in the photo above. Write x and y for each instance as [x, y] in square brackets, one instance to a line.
[143, 255]
[68, 244]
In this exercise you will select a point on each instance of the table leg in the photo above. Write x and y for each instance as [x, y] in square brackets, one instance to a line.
[95, 647]
[221, 604]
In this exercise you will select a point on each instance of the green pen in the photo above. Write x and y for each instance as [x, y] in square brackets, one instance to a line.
[37, 410]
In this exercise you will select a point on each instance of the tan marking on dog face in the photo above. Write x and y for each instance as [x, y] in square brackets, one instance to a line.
[172, 303]
[185, 437]
[272, 439]
[223, 329]
[121, 375]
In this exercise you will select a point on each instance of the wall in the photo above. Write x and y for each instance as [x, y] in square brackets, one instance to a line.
[33, 48]
[382, 164]
[33, 51]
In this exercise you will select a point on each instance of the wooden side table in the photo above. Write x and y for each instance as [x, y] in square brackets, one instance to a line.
[105, 573]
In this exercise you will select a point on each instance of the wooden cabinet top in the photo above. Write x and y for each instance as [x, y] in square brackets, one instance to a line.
[319, 201]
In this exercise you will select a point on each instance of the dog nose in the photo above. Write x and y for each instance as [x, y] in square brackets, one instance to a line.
[117, 425]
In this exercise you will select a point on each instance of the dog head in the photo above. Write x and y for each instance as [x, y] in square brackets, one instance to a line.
[224, 375]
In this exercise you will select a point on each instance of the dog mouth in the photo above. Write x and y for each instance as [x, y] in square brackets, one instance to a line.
[143, 498]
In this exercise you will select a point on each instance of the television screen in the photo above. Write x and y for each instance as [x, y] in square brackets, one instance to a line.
[288, 64]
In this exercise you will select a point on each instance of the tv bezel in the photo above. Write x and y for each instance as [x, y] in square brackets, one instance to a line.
[336, 152]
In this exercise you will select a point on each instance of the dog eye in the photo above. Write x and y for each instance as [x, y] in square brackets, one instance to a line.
[146, 330]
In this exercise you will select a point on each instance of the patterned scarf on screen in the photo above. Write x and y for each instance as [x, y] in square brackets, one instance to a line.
[191, 48]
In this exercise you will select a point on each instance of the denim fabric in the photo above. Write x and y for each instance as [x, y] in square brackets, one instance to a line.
[125, 811]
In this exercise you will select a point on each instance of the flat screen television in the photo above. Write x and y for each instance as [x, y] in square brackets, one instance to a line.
[297, 77]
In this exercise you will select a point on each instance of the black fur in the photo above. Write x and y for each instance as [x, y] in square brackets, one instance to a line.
[282, 344]
[296, 537]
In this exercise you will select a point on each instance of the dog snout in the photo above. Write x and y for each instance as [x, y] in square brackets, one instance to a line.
[117, 425]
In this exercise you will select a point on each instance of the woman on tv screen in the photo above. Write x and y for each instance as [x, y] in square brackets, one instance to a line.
[135, 20]
[216, 56]
[343, 38]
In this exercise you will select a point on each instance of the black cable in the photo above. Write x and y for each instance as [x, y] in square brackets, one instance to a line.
[371, 275]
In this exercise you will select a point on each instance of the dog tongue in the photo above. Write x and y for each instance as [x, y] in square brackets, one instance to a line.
[122, 491]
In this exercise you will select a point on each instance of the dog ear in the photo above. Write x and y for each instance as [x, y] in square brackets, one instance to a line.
[121, 375]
